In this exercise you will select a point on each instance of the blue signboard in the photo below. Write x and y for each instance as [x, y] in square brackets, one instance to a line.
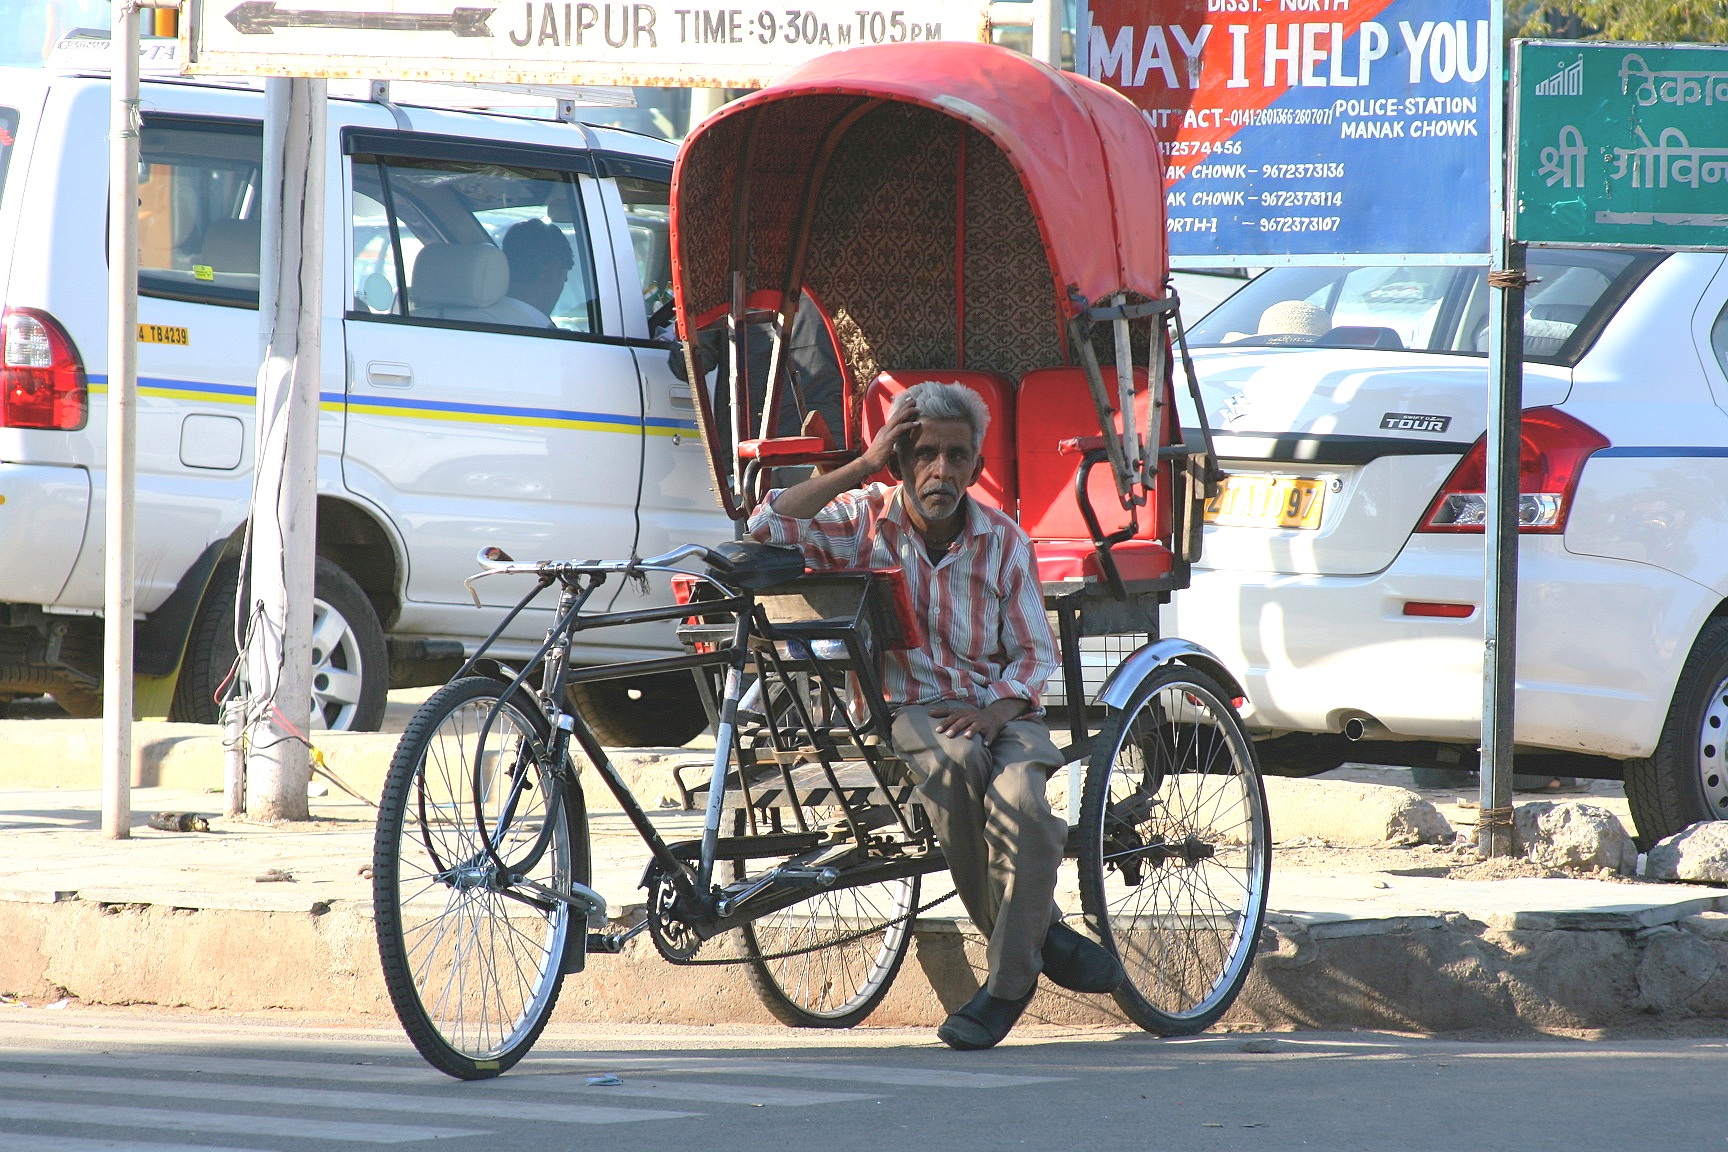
[1295, 129]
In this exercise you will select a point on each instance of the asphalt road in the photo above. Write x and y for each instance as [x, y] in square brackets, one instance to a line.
[84, 1080]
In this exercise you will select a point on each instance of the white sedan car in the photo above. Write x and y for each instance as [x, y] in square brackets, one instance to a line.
[1342, 574]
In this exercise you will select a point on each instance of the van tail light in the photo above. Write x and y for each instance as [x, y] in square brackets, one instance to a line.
[42, 383]
[1550, 461]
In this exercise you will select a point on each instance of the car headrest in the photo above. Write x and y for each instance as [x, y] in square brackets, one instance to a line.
[231, 246]
[459, 276]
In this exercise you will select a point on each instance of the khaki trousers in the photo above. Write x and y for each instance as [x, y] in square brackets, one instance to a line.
[994, 822]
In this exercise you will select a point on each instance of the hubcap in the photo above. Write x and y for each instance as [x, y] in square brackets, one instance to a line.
[337, 670]
[1712, 746]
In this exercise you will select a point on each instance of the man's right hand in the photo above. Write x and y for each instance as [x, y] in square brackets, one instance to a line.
[903, 422]
[805, 499]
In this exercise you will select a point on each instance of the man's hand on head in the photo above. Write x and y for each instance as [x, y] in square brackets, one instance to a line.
[960, 719]
[808, 497]
[902, 423]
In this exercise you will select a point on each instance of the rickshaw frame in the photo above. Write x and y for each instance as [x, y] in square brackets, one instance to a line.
[799, 755]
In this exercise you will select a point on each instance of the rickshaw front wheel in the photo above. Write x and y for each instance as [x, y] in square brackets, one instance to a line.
[474, 965]
[1175, 850]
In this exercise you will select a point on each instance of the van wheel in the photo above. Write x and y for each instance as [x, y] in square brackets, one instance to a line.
[1686, 779]
[350, 668]
[661, 711]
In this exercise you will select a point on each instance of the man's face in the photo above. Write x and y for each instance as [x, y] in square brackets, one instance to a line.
[939, 466]
[548, 285]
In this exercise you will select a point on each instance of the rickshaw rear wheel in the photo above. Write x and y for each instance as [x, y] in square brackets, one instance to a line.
[1175, 850]
[828, 961]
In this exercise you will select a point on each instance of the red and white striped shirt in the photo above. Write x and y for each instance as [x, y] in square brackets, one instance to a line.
[986, 636]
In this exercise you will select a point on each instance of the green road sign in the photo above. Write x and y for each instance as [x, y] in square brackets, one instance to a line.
[1620, 144]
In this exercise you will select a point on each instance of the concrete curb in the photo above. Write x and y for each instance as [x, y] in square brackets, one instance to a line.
[67, 755]
[1416, 973]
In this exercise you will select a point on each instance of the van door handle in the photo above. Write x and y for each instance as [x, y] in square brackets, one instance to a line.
[681, 397]
[383, 374]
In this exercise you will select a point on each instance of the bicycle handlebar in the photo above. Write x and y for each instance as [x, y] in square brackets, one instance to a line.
[495, 561]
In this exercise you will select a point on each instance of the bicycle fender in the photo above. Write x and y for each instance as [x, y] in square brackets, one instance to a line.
[1143, 661]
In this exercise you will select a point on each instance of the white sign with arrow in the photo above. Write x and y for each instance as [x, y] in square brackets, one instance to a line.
[620, 42]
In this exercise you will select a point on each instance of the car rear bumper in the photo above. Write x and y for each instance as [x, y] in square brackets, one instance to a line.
[1601, 643]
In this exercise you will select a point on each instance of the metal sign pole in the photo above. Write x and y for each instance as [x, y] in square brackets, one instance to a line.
[122, 425]
[1500, 535]
[285, 507]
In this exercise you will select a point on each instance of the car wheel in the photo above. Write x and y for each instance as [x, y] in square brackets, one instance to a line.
[661, 711]
[1686, 779]
[350, 667]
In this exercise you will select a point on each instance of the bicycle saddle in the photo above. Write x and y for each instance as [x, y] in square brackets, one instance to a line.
[748, 564]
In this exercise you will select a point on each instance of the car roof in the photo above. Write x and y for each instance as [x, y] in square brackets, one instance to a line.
[471, 123]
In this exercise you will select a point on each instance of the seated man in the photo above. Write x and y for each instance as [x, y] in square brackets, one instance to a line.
[540, 263]
[966, 714]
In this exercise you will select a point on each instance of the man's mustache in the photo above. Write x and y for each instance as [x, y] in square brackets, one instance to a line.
[939, 488]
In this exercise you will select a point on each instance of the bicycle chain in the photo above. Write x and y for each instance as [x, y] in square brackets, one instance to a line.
[859, 935]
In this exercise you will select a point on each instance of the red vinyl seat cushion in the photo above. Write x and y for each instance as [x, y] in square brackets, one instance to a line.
[1060, 560]
[781, 447]
[997, 485]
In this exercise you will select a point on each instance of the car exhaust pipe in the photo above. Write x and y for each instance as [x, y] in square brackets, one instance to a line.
[1362, 727]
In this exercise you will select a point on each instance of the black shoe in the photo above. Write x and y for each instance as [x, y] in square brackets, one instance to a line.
[982, 1021]
[1079, 964]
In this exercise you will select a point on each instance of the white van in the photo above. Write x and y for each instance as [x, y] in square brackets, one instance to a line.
[511, 395]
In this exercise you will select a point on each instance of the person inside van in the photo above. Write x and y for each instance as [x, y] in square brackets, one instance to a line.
[540, 263]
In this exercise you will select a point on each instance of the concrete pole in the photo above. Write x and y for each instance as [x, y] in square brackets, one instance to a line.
[704, 102]
[1047, 32]
[284, 511]
[122, 425]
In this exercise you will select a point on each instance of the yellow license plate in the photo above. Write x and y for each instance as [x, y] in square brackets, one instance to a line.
[1267, 502]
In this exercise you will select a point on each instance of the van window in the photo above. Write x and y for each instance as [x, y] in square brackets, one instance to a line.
[199, 211]
[474, 243]
[648, 208]
[8, 137]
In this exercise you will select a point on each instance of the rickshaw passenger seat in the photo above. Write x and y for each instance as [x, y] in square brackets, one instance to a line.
[1055, 405]
[998, 485]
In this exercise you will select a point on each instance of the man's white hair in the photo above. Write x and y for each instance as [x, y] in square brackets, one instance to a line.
[938, 401]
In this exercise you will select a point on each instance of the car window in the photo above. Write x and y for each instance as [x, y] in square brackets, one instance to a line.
[1435, 309]
[648, 209]
[199, 211]
[1337, 307]
[474, 243]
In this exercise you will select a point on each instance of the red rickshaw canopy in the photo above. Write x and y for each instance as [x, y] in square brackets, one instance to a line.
[847, 176]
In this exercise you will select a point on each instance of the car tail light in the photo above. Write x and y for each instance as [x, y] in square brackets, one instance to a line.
[1550, 461]
[42, 383]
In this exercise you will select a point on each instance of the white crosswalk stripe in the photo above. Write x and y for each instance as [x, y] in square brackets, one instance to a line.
[523, 1080]
[36, 1142]
[110, 1116]
[418, 1104]
[809, 1070]
[218, 1095]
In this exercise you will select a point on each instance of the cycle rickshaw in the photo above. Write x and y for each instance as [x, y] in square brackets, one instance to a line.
[954, 212]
